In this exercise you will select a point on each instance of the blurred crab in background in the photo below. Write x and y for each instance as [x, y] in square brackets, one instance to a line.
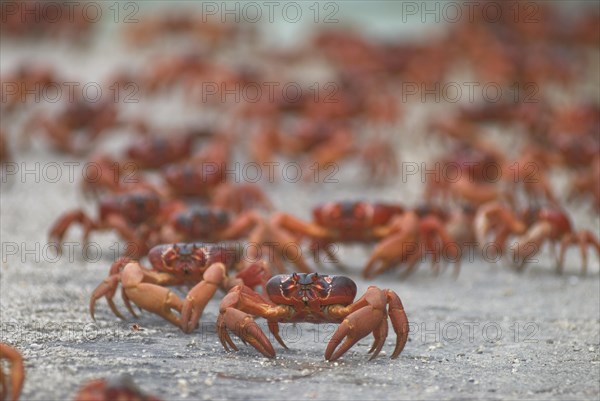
[343, 222]
[75, 128]
[121, 388]
[410, 237]
[134, 216]
[313, 298]
[533, 227]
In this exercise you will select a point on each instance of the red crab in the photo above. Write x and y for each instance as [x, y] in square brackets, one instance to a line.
[105, 175]
[321, 145]
[264, 234]
[534, 227]
[17, 373]
[83, 117]
[202, 266]
[29, 81]
[114, 388]
[342, 222]
[313, 298]
[412, 236]
[133, 215]
[471, 174]
[208, 224]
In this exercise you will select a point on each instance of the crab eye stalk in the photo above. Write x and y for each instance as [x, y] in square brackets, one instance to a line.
[170, 256]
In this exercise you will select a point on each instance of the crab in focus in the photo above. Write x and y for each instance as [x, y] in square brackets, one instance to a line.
[313, 298]
[202, 266]
[17, 373]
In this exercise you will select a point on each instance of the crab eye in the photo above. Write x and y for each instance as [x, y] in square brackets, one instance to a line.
[170, 256]
[288, 286]
[199, 256]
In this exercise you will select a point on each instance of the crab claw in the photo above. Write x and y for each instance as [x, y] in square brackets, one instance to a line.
[242, 323]
[198, 297]
[370, 318]
[255, 274]
[244, 326]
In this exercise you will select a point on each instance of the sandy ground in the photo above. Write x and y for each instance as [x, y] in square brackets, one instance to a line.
[490, 334]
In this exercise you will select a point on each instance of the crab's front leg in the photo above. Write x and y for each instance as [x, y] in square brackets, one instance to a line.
[236, 312]
[197, 298]
[368, 315]
[17, 372]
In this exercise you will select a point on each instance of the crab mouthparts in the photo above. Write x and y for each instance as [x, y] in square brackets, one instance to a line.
[304, 295]
[186, 268]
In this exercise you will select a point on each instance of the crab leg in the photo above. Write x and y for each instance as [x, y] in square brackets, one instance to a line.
[399, 321]
[295, 225]
[368, 314]
[530, 243]
[60, 227]
[144, 288]
[358, 324]
[236, 312]
[198, 297]
[495, 215]
[583, 239]
[17, 372]
[151, 297]
[390, 252]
